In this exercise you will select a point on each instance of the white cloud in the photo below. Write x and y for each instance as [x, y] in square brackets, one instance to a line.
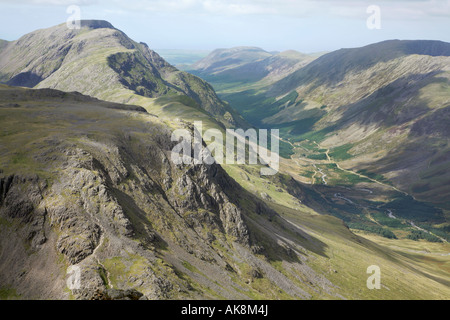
[395, 9]
[52, 2]
[235, 7]
[391, 9]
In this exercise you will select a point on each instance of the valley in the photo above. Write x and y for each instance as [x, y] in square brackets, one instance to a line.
[367, 201]
[86, 177]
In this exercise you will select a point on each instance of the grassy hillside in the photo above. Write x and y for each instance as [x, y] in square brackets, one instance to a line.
[90, 183]
[386, 104]
[170, 232]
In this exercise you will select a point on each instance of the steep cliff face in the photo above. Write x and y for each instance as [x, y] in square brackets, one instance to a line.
[88, 206]
[98, 190]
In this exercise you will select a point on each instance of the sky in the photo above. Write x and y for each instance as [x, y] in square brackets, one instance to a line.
[274, 25]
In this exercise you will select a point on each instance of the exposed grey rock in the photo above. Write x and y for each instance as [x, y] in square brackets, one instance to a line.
[114, 294]
[79, 242]
[115, 206]
[265, 196]
[20, 198]
[256, 274]
[117, 294]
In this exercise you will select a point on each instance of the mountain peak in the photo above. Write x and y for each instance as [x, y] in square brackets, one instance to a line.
[96, 24]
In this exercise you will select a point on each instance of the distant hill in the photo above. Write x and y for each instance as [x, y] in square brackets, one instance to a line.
[223, 59]
[245, 66]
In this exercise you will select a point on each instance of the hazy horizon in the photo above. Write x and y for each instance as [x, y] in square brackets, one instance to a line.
[204, 25]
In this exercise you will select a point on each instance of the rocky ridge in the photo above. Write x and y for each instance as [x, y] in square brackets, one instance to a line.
[112, 203]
